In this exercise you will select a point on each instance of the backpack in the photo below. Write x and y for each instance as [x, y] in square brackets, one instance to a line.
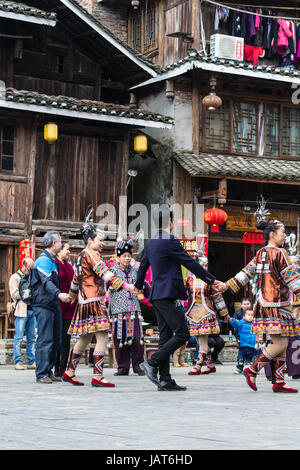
[25, 288]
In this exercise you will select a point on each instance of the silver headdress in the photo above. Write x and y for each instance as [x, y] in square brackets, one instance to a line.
[261, 211]
[200, 253]
[292, 242]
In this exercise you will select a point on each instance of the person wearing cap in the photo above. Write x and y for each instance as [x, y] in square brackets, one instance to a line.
[125, 311]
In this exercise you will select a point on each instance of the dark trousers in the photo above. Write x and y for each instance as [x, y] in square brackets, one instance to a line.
[173, 333]
[63, 353]
[215, 342]
[135, 351]
[246, 355]
[49, 327]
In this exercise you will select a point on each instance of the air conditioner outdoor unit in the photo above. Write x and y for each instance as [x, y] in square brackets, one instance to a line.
[227, 47]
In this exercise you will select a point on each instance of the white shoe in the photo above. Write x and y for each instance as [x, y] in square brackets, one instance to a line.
[19, 366]
[237, 371]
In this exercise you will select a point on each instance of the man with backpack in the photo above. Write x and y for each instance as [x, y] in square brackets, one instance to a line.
[23, 317]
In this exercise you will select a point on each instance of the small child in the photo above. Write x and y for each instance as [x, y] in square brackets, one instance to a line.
[247, 350]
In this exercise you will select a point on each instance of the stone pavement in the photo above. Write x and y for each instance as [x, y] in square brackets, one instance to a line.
[218, 411]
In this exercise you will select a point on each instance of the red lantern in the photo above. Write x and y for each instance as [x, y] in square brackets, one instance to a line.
[214, 217]
[26, 251]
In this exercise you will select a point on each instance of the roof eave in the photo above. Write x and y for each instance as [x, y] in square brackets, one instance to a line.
[47, 110]
[78, 11]
[211, 67]
[27, 18]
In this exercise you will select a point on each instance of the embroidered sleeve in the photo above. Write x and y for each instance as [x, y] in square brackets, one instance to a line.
[220, 303]
[291, 278]
[111, 280]
[242, 278]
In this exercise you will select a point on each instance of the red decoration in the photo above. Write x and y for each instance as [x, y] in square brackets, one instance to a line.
[214, 217]
[26, 251]
[253, 237]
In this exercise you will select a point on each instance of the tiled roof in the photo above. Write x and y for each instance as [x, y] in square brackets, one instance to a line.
[194, 55]
[260, 168]
[85, 106]
[21, 8]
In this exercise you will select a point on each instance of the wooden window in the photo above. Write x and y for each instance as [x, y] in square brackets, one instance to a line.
[253, 129]
[7, 148]
[143, 27]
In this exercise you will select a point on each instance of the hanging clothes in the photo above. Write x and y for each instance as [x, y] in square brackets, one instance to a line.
[252, 53]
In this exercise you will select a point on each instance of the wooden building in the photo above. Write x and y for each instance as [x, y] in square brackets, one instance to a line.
[59, 64]
[247, 147]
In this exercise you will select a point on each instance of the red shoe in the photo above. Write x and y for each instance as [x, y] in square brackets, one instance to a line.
[67, 378]
[280, 388]
[195, 371]
[209, 370]
[100, 383]
[248, 374]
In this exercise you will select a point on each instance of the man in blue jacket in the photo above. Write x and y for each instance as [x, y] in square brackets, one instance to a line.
[45, 304]
[165, 254]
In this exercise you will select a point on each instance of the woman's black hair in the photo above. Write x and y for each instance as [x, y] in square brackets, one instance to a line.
[88, 231]
[268, 227]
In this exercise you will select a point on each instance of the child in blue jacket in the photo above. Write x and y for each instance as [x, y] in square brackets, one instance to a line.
[247, 351]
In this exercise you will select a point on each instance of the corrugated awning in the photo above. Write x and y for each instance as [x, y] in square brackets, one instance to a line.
[240, 167]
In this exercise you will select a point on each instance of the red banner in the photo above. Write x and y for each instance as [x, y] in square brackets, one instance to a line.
[253, 237]
[26, 251]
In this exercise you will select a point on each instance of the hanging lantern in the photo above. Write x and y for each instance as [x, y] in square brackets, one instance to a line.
[50, 132]
[212, 101]
[214, 217]
[140, 143]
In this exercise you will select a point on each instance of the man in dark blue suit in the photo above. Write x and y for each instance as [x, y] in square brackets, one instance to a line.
[165, 254]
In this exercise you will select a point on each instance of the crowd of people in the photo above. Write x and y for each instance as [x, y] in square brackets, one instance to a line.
[92, 299]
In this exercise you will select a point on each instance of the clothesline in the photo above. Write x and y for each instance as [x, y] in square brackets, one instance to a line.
[249, 12]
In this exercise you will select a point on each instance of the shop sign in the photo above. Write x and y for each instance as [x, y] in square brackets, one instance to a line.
[253, 237]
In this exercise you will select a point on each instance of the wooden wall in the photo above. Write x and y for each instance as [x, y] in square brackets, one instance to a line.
[75, 172]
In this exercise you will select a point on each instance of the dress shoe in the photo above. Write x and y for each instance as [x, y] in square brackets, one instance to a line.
[218, 362]
[19, 366]
[121, 373]
[44, 380]
[55, 379]
[281, 388]
[209, 370]
[100, 383]
[247, 373]
[169, 386]
[296, 377]
[31, 366]
[150, 371]
[70, 379]
[140, 372]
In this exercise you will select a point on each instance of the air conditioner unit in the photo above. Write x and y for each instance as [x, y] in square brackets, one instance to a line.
[227, 47]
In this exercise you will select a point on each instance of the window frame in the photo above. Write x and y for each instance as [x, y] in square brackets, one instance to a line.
[12, 157]
[142, 13]
[249, 100]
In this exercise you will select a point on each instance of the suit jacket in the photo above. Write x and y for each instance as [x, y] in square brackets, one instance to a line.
[165, 254]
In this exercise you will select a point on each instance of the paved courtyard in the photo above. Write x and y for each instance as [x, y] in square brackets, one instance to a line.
[216, 412]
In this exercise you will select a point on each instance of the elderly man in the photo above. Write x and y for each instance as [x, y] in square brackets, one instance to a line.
[24, 319]
[46, 295]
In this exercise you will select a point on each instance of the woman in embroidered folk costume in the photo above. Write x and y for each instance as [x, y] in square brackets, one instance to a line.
[91, 316]
[276, 280]
[125, 311]
[201, 317]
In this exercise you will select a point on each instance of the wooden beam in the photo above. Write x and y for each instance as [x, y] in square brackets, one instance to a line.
[30, 179]
[195, 15]
[195, 111]
[254, 180]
